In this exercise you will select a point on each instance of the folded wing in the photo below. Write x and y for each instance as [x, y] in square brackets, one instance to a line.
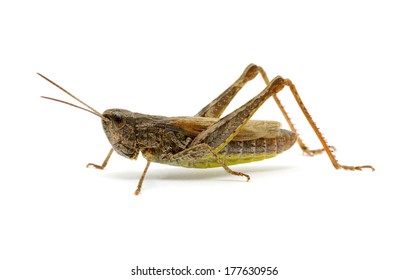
[253, 129]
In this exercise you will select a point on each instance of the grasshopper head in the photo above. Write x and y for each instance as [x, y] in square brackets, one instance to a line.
[117, 124]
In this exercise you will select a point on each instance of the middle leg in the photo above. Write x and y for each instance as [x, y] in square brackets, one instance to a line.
[201, 152]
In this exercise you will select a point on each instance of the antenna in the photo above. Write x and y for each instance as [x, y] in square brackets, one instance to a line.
[91, 110]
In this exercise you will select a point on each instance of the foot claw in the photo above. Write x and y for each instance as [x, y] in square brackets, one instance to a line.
[317, 151]
[95, 166]
[239, 174]
[247, 176]
[359, 168]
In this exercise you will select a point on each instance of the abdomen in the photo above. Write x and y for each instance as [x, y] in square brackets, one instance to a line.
[237, 152]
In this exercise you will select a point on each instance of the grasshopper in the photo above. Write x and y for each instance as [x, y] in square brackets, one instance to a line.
[206, 140]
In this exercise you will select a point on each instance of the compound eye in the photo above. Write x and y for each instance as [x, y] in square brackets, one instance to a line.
[118, 121]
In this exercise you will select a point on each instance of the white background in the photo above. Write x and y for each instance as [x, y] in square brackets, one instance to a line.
[60, 220]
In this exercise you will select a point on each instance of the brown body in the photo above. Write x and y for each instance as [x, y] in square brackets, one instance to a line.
[159, 138]
[206, 140]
